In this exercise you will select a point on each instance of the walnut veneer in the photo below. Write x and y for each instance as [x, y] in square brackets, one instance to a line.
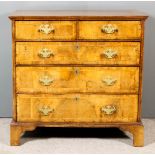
[77, 69]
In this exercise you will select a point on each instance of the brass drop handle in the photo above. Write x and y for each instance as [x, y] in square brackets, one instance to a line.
[108, 109]
[109, 81]
[46, 80]
[45, 53]
[109, 29]
[109, 53]
[45, 110]
[46, 29]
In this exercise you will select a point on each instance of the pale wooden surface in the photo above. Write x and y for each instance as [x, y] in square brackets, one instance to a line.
[87, 79]
[126, 30]
[87, 30]
[67, 108]
[29, 30]
[83, 92]
[16, 132]
[138, 134]
[128, 53]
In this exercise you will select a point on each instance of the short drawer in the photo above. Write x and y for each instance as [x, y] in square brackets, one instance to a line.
[123, 53]
[77, 79]
[77, 108]
[109, 30]
[45, 30]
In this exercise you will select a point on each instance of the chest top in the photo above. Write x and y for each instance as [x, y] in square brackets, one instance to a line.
[78, 25]
[78, 15]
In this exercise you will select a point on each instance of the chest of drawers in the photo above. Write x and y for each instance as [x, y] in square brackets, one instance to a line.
[77, 69]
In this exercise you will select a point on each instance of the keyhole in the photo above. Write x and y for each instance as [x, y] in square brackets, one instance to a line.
[77, 47]
[25, 48]
[77, 71]
[77, 98]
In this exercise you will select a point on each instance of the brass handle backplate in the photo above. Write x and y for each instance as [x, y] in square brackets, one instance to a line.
[108, 109]
[109, 29]
[109, 81]
[46, 80]
[46, 29]
[45, 53]
[109, 54]
[45, 110]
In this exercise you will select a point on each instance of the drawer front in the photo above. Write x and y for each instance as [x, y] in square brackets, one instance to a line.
[77, 108]
[77, 53]
[45, 30]
[109, 29]
[77, 79]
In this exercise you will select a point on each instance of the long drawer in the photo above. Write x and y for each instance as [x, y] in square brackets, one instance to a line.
[45, 30]
[109, 30]
[77, 79]
[121, 53]
[77, 108]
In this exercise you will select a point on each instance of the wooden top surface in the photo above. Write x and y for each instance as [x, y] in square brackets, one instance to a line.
[78, 15]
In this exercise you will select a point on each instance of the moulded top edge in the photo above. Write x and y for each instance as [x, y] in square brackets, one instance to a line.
[77, 15]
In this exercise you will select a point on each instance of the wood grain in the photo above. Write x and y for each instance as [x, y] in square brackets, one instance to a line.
[16, 132]
[128, 53]
[77, 92]
[14, 109]
[77, 79]
[138, 134]
[18, 128]
[62, 30]
[141, 73]
[77, 108]
[126, 30]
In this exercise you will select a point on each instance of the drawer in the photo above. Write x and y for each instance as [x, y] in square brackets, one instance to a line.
[45, 30]
[77, 79]
[78, 53]
[109, 30]
[77, 108]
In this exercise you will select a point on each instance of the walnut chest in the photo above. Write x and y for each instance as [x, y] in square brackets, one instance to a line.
[77, 69]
